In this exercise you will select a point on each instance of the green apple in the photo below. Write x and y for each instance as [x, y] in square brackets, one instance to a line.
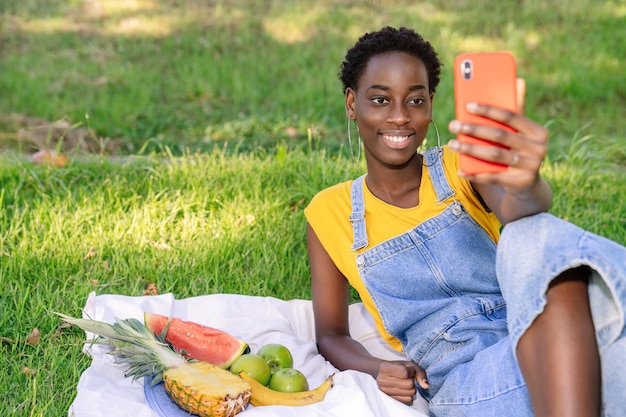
[288, 380]
[253, 365]
[277, 356]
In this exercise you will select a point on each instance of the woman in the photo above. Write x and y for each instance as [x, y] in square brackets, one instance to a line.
[528, 322]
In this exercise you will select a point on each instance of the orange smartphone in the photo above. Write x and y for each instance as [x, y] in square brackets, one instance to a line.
[487, 78]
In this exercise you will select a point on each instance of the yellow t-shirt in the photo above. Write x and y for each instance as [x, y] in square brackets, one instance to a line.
[329, 212]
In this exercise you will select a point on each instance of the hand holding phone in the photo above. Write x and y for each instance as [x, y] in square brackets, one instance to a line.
[487, 78]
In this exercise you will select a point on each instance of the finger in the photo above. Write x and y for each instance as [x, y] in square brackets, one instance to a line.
[423, 383]
[516, 121]
[402, 374]
[529, 158]
[408, 400]
[506, 147]
[422, 379]
[397, 385]
[399, 375]
[501, 136]
[402, 370]
[515, 182]
[400, 394]
[517, 178]
[403, 399]
[420, 376]
[490, 133]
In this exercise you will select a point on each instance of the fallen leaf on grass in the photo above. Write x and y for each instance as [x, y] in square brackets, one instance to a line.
[292, 132]
[33, 337]
[248, 219]
[151, 289]
[297, 205]
[53, 158]
[91, 253]
[29, 371]
[160, 245]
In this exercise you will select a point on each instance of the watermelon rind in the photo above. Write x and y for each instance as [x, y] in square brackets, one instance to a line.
[197, 341]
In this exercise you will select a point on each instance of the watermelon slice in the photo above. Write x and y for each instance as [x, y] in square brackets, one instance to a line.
[196, 341]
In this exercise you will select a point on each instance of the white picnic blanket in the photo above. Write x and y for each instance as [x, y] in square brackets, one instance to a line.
[103, 391]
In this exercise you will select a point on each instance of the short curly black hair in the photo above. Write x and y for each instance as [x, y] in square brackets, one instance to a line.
[389, 39]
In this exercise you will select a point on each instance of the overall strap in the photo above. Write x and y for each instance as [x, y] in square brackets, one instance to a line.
[357, 217]
[433, 159]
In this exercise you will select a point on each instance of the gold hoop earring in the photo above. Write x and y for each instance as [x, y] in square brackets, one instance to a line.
[436, 132]
[358, 156]
[438, 148]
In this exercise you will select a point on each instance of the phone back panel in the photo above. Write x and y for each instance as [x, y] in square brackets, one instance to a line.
[488, 78]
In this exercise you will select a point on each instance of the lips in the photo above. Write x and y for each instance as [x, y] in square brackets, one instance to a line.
[397, 140]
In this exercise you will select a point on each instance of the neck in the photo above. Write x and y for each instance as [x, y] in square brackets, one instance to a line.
[398, 186]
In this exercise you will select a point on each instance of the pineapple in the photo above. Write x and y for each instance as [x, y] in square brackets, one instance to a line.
[200, 388]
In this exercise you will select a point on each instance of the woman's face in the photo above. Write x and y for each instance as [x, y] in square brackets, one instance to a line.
[392, 107]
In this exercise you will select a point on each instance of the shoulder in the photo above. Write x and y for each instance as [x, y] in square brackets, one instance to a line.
[451, 169]
[466, 194]
[451, 160]
[328, 214]
[329, 198]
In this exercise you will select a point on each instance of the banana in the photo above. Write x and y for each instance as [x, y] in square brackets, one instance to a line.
[262, 395]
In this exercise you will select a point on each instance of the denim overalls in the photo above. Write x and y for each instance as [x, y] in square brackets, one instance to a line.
[440, 292]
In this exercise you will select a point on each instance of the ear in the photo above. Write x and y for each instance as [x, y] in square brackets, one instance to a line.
[432, 100]
[350, 99]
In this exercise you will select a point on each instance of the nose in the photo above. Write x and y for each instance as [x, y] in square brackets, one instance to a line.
[398, 114]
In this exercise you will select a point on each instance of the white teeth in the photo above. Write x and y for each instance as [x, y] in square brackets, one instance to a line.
[395, 139]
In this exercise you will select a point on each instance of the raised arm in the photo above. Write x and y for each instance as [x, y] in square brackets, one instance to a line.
[330, 292]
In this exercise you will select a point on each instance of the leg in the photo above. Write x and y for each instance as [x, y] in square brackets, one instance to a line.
[558, 354]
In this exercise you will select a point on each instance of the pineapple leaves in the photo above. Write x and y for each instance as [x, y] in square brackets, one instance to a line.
[161, 336]
[133, 344]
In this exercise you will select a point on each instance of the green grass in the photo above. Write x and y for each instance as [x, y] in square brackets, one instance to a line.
[230, 119]
[207, 223]
[195, 74]
[201, 224]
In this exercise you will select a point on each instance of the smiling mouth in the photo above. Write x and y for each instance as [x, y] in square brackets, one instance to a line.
[396, 139]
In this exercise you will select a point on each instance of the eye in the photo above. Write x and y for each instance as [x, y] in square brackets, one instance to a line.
[379, 100]
[417, 101]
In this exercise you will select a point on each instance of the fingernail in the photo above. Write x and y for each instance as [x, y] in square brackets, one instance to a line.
[472, 107]
[453, 145]
[454, 126]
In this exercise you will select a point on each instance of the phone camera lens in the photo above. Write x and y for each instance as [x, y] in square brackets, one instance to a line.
[466, 69]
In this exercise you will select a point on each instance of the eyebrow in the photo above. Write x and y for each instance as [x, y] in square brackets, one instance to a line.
[385, 88]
